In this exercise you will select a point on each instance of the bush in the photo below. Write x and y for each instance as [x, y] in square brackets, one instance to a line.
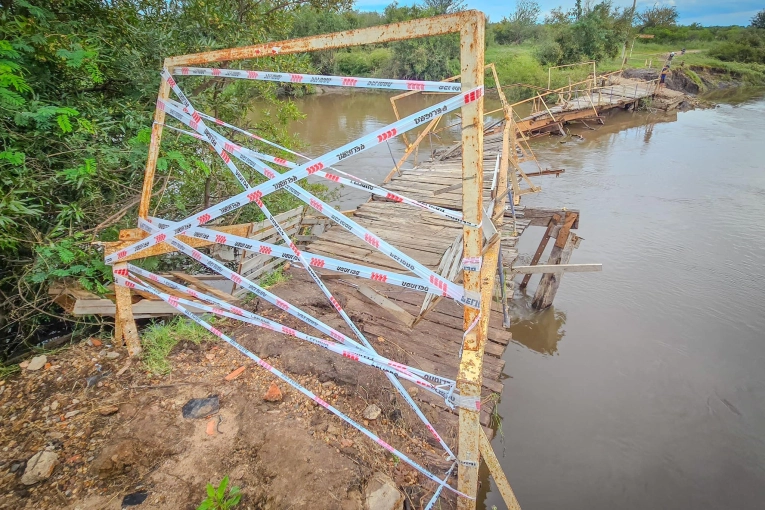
[353, 63]
[549, 53]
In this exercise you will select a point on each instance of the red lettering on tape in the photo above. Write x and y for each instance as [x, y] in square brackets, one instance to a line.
[173, 300]
[160, 238]
[335, 304]
[237, 311]
[350, 82]
[255, 197]
[171, 81]
[317, 262]
[268, 173]
[265, 365]
[283, 305]
[316, 204]
[121, 272]
[122, 254]
[216, 72]
[184, 70]
[337, 336]
[350, 355]
[332, 177]
[160, 105]
[395, 198]
[236, 279]
[196, 255]
[296, 78]
[220, 239]
[280, 161]
[224, 155]
[379, 277]
[385, 136]
[369, 238]
[252, 75]
[265, 249]
[315, 168]
[384, 445]
[288, 331]
[203, 218]
[294, 249]
[415, 85]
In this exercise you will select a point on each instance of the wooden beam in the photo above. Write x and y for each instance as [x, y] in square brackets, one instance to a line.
[495, 468]
[203, 287]
[136, 234]
[540, 217]
[558, 268]
[552, 223]
[548, 286]
[125, 328]
[389, 306]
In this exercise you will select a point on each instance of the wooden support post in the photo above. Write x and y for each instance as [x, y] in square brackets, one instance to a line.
[541, 248]
[565, 244]
[497, 473]
[471, 362]
[125, 330]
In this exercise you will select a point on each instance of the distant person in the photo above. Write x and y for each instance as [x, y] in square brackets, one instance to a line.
[663, 78]
[671, 56]
[682, 52]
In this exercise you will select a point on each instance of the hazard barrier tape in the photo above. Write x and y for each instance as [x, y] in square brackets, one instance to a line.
[176, 110]
[257, 192]
[318, 261]
[440, 487]
[313, 79]
[395, 382]
[322, 207]
[347, 352]
[451, 399]
[305, 391]
[431, 379]
[390, 368]
[251, 286]
[252, 194]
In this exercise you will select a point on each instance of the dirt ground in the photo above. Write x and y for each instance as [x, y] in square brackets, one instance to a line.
[118, 429]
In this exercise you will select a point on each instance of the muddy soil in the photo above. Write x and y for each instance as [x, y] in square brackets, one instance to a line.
[128, 434]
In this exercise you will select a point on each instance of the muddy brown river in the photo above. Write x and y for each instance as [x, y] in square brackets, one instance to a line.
[644, 386]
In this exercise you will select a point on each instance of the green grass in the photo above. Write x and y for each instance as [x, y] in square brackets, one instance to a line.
[274, 277]
[159, 339]
[518, 64]
[8, 370]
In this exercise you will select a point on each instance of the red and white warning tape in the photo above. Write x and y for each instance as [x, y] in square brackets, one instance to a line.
[305, 391]
[313, 79]
[176, 110]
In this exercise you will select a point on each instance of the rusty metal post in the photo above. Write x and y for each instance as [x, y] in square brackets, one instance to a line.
[469, 376]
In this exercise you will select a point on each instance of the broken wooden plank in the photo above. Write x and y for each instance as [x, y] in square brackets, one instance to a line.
[558, 268]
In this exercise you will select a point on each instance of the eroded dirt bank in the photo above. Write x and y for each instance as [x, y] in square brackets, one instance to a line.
[116, 430]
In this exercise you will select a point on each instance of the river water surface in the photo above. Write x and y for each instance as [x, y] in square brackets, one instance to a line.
[644, 387]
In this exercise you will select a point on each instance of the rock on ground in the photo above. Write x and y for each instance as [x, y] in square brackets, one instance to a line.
[39, 467]
[382, 493]
[37, 363]
[372, 412]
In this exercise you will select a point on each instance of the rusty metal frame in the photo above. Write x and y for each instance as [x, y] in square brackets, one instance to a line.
[470, 25]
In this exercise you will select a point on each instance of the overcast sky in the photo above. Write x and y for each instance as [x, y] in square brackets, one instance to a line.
[706, 12]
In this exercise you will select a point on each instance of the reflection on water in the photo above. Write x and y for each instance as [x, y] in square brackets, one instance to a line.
[539, 331]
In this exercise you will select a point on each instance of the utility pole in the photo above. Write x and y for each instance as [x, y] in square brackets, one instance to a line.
[629, 32]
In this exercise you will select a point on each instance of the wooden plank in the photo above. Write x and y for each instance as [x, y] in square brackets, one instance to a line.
[136, 234]
[558, 268]
[389, 306]
[203, 287]
[540, 217]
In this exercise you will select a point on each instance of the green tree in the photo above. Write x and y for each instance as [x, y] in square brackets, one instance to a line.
[658, 16]
[758, 20]
[520, 24]
[78, 83]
